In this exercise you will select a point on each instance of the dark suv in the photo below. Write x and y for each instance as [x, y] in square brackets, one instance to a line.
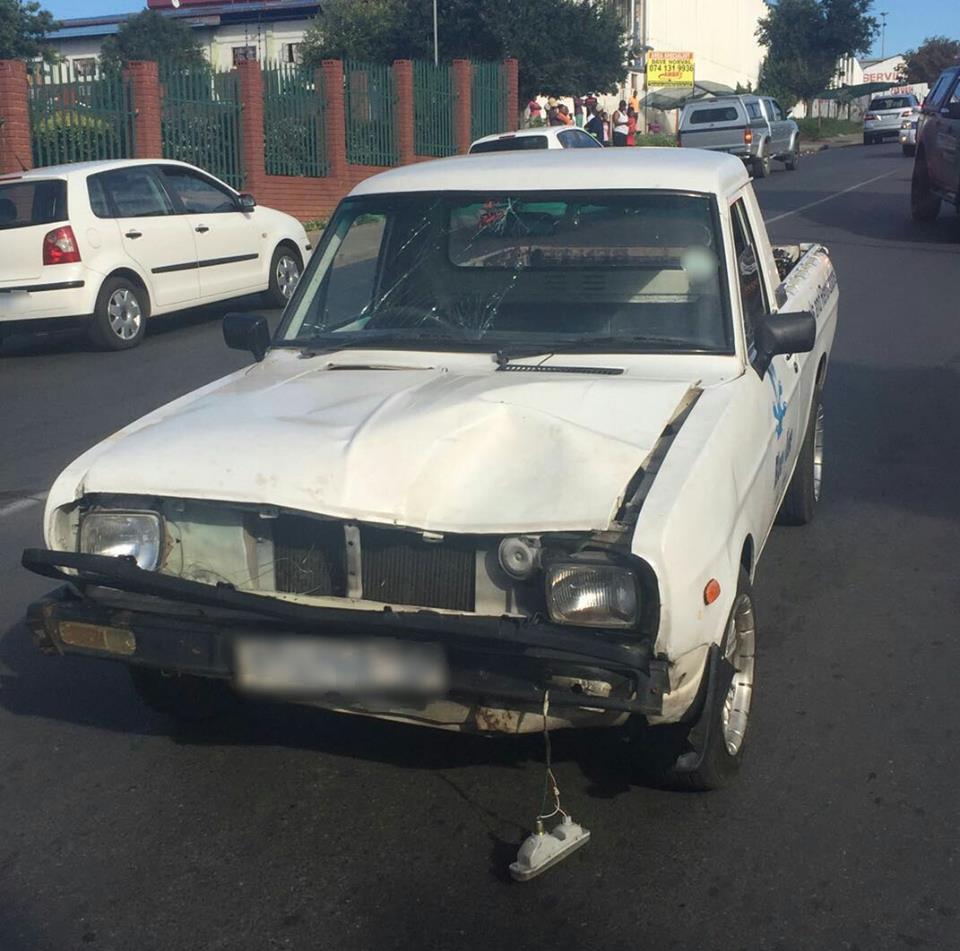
[936, 168]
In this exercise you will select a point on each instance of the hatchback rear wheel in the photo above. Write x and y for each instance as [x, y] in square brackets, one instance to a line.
[120, 317]
[286, 267]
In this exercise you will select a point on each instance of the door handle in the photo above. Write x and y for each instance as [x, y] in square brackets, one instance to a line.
[134, 234]
[201, 229]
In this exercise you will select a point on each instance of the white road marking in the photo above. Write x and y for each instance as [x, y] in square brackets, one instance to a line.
[820, 201]
[19, 505]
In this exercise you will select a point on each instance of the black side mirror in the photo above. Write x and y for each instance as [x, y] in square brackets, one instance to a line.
[246, 202]
[249, 332]
[783, 333]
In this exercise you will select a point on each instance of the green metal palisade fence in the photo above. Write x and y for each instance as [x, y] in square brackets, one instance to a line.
[434, 102]
[293, 120]
[79, 118]
[488, 107]
[370, 99]
[201, 120]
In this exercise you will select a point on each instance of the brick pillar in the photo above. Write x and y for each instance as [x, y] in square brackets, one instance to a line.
[15, 149]
[335, 118]
[251, 125]
[513, 95]
[144, 79]
[403, 82]
[463, 93]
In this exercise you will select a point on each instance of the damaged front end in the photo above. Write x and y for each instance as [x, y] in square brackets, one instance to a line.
[496, 621]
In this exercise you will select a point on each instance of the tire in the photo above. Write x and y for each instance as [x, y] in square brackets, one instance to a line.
[286, 266]
[924, 206]
[184, 697]
[806, 485]
[761, 166]
[707, 753]
[909, 150]
[793, 159]
[867, 139]
[120, 316]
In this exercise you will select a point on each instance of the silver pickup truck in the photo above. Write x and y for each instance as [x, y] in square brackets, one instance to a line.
[753, 128]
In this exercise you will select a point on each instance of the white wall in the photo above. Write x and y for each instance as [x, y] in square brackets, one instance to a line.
[720, 33]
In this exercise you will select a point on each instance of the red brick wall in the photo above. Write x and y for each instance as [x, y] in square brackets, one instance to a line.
[15, 150]
[144, 80]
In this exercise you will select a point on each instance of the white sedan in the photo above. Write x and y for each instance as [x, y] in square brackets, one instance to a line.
[542, 137]
[110, 244]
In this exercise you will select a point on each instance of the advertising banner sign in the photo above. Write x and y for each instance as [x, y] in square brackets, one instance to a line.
[669, 69]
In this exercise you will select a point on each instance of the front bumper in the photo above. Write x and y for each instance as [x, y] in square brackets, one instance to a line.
[112, 609]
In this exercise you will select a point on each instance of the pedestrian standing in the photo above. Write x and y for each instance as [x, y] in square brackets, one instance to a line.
[594, 124]
[533, 111]
[620, 126]
[563, 115]
[631, 126]
[634, 103]
[578, 116]
[605, 123]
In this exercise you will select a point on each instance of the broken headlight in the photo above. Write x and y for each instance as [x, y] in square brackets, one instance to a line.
[136, 535]
[593, 595]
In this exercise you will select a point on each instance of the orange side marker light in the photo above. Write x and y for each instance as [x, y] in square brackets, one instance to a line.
[711, 592]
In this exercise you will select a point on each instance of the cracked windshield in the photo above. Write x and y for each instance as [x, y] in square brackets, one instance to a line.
[600, 270]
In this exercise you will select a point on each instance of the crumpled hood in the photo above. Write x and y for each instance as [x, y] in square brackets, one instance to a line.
[433, 448]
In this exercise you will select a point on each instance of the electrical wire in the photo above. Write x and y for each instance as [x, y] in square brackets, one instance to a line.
[550, 786]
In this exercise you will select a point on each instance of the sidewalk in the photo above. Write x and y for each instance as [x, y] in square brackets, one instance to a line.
[831, 142]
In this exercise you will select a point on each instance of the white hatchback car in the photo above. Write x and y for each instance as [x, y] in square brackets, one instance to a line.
[543, 137]
[109, 244]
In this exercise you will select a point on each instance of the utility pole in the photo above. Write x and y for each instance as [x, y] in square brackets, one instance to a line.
[436, 48]
[883, 34]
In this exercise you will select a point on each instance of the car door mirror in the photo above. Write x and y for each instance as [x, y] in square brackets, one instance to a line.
[247, 202]
[249, 332]
[781, 334]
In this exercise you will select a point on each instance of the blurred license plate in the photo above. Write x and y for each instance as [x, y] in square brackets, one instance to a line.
[310, 666]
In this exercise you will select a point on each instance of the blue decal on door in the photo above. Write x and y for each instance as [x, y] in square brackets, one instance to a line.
[779, 403]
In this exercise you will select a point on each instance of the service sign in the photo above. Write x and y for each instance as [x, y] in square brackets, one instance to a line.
[669, 69]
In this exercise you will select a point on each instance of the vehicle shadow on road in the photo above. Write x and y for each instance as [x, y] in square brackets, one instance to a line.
[893, 437]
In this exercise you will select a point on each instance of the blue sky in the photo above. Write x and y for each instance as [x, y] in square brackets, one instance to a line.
[907, 23]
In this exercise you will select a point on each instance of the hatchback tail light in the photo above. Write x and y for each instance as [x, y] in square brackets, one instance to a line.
[747, 136]
[870, 117]
[60, 247]
[906, 113]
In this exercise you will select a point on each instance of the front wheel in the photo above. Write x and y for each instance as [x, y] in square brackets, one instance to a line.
[120, 316]
[793, 160]
[761, 166]
[924, 205]
[286, 267]
[184, 697]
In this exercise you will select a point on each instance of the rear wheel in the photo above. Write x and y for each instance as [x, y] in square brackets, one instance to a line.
[800, 502]
[286, 267]
[183, 696]
[924, 205]
[761, 165]
[120, 316]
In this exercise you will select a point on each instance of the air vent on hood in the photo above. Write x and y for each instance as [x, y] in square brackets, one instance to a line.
[550, 368]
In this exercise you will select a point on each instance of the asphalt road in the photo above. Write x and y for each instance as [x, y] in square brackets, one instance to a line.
[293, 828]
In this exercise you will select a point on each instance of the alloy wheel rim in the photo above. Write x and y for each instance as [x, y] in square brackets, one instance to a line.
[818, 454]
[288, 275]
[124, 313]
[740, 647]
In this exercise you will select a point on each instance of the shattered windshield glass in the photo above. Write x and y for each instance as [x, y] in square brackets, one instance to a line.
[631, 272]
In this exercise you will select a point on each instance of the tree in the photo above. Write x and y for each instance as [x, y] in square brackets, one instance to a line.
[561, 45]
[23, 28]
[925, 64]
[805, 39]
[151, 35]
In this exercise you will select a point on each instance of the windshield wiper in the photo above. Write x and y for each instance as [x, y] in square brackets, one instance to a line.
[593, 344]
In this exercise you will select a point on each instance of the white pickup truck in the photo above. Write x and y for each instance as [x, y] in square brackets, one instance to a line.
[508, 464]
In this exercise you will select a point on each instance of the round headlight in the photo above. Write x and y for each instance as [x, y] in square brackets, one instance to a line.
[593, 595]
[135, 535]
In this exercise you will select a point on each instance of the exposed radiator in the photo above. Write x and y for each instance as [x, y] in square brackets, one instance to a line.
[397, 567]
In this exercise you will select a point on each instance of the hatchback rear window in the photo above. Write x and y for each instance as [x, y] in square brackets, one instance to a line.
[724, 114]
[515, 143]
[32, 202]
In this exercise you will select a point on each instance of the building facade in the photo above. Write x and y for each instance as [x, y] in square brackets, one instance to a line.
[228, 32]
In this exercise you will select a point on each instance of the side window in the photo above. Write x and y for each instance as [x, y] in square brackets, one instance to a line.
[954, 99]
[752, 293]
[587, 141]
[352, 279]
[98, 197]
[777, 111]
[936, 95]
[135, 192]
[198, 195]
[568, 139]
[753, 110]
